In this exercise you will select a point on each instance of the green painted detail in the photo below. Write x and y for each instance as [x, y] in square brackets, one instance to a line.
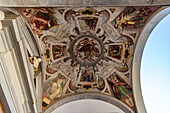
[123, 91]
[62, 85]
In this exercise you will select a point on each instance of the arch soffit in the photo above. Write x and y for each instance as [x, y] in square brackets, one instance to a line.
[94, 96]
[140, 45]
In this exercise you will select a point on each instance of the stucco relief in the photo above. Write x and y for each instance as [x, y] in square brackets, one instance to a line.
[87, 49]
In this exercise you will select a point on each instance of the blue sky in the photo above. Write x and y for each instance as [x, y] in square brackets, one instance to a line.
[155, 69]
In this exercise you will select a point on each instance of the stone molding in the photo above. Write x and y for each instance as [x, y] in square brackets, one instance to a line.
[94, 96]
[59, 3]
[136, 63]
[15, 72]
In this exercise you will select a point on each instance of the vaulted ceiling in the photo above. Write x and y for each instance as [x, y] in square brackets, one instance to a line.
[86, 49]
[59, 53]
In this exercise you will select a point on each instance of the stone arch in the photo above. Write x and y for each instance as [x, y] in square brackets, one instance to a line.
[94, 96]
[136, 84]
[27, 31]
[24, 46]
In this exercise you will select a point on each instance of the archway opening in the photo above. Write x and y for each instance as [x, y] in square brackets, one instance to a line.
[155, 69]
[88, 106]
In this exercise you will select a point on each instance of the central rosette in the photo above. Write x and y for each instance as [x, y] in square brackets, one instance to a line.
[86, 50]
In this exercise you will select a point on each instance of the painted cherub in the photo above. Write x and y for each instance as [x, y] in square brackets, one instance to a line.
[55, 88]
[35, 61]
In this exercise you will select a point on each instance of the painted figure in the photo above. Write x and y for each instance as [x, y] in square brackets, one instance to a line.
[49, 69]
[121, 90]
[88, 23]
[87, 50]
[115, 51]
[87, 76]
[128, 20]
[55, 88]
[35, 61]
[58, 51]
[42, 20]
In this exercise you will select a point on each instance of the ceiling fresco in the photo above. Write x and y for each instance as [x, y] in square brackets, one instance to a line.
[87, 49]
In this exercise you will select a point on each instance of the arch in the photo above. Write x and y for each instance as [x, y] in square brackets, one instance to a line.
[87, 105]
[24, 47]
[136, 85]
[31, 42]
[94, 96]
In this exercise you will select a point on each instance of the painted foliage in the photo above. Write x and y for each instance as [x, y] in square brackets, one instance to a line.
[87, 49]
